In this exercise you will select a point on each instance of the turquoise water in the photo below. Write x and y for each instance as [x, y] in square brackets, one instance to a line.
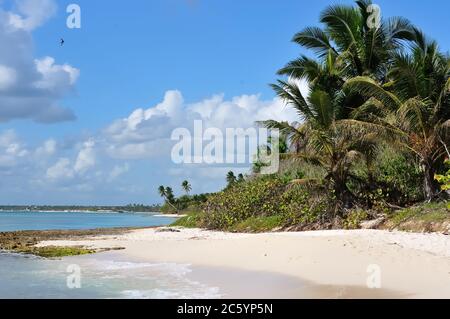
[102, 276]
[12, 221]
[106, 275]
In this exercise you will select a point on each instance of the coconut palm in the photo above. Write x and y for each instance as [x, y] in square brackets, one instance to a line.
[346, 37]
[231, 178]
[162, 191]
[330, 139]
[186, 187]
[415, 104]
[167, 194]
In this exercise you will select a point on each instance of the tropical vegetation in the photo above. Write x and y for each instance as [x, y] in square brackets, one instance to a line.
[371, 136]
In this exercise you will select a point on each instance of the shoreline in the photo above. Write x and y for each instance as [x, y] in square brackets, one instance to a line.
[336, 263]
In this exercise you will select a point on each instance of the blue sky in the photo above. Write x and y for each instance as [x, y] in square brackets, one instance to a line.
[130, 55]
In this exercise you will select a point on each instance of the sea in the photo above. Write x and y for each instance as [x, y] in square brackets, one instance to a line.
[100, 276]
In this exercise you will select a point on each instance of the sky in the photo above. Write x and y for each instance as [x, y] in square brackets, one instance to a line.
[89, 122]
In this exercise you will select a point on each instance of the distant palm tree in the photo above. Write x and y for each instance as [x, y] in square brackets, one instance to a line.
[187, 187]
[231, 178]
[167, 194]
[162, 191]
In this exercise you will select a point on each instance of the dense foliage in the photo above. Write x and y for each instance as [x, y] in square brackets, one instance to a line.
[371, 135]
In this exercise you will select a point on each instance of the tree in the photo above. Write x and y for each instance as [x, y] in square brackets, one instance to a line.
[240, 178]
[167, 194]
[415, 105]
[186, 187]
[346, 47]
[162, 191]
[331, 140]
[347, 38]
[231, 178]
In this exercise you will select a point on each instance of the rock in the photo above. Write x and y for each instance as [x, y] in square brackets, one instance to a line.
[168, 230]
[372, 224]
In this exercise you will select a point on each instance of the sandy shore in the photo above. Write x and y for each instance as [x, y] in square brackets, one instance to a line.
[337, 263]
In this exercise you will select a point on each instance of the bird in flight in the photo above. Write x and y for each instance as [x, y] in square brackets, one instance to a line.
[62, 41]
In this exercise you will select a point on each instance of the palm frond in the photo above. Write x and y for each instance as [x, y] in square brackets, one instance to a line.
[316, 39]
[369, 88]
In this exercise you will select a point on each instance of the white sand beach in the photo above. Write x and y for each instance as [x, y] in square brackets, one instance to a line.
[340, 263]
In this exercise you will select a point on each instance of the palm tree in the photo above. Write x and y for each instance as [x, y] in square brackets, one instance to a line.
[331, 140]
[167, 194]
[162, 191]
[415, 105]
[187, 187]
[358, 49]
[231, 178]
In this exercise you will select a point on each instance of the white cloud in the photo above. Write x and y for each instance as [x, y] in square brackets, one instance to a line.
[86, 158]
[79, 168]
[56, 78]
[118, 171]
[8, 77]
[32, 13]
[61, 170]
[146, 133]
[30, 87]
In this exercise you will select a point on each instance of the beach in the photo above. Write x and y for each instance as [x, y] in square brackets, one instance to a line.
[322, 264]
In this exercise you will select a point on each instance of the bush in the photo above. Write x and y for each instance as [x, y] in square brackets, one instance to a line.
[444, 180]
[354, 218]
[241, 201]
[394, 177]
[256, 200]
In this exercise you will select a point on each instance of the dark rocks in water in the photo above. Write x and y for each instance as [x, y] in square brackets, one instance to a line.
[25, 241]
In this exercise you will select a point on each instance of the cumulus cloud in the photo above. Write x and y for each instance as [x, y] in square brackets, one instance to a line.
[140, 142]
[30, 87]
[118, 171]
[48, 149]
[61, 170]
[31, 13]
[86, 157]
[12, 150]
[146, 133]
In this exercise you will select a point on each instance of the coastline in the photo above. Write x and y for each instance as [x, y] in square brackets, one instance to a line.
[334, 264]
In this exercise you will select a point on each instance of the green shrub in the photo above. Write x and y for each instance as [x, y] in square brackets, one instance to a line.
[241, 201]
[400, 175]
[259, 224]
[258, 199]
[354, 218]
[192, 220]
[444, 180]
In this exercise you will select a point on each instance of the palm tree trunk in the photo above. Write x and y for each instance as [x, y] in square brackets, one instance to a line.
[430, 186]
[342, 192]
